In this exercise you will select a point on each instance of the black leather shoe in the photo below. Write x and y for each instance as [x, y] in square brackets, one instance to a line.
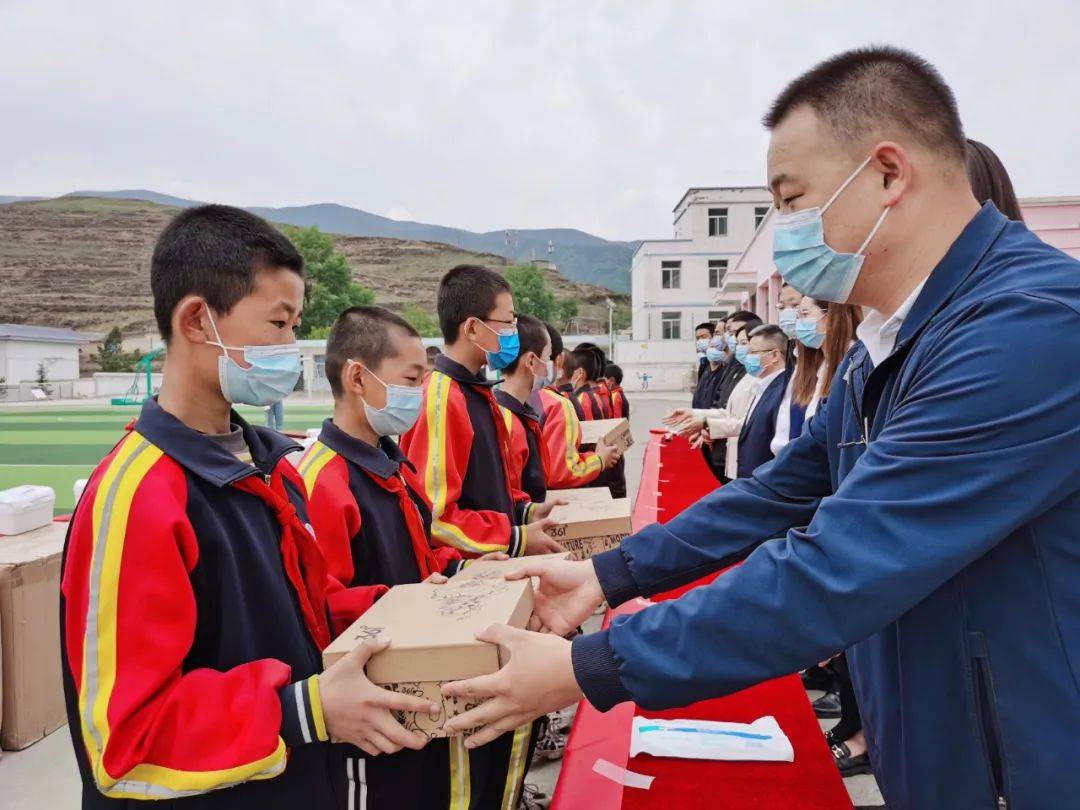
[827, 707]
[849, 765]
[817, 678]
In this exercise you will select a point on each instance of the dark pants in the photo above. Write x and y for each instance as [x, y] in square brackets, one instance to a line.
[850, 721]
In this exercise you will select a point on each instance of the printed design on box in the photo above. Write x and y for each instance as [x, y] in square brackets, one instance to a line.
[462, 600]
[585, 547]
[365, 632]
[422, 722]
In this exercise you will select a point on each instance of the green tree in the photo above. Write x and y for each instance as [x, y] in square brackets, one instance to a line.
[111, 356]
[421, 320]
[330, 287]
[43, 379]
[566, 309]
[622, 317]
[532, 296]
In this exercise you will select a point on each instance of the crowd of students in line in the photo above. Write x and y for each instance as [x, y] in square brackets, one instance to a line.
[757, 386]
[204, 573]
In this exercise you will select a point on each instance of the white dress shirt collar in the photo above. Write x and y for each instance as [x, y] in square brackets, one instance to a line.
[878, 333]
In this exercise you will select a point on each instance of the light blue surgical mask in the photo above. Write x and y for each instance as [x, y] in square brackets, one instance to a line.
[702, 345]
[740, 352]
[271, 376]
[509, 346]
[807, 334]
[714, 354]
[401, 410]
[730, 342]
[786, 321]
[806, 262]
[752, 364]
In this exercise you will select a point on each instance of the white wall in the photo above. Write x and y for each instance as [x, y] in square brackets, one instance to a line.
[19, 360]
[114, 384]
[670, 364]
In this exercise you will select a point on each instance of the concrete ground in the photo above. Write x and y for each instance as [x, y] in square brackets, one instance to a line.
[44, 775]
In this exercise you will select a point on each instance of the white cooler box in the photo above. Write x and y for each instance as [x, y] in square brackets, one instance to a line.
[25, 508]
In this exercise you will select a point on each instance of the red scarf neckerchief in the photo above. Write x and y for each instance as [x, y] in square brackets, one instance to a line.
[304, 564]
[425, 557]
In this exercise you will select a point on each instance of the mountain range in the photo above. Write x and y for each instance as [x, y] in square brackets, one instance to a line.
[579, 256]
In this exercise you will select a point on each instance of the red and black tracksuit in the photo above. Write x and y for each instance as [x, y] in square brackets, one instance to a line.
[194, 608]
[527, 446]
[620, 405]
[592, 403]
[373, 526]
[565, 466]
[461, 449]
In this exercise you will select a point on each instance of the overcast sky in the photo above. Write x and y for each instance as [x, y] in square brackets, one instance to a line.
[486, 115]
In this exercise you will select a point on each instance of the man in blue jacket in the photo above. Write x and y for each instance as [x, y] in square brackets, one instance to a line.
[925, 520]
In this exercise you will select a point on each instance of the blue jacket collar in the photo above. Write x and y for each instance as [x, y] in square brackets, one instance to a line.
[511, 404]
[205, 457]
[458, 372]
[382, 461]
[958, 263]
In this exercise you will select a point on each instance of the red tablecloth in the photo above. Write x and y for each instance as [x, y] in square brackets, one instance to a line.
[673, 477]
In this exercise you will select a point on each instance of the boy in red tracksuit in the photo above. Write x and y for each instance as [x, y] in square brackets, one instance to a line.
[583, 368]
[461, 449]
[370, 516]
[620, 405]
[194, 600]
[566, 467]
[517, 396]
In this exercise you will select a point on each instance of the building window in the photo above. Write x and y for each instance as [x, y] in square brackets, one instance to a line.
[671, 275]
[717, 222]
[759, 215]
[717, 269]
[671, 325]
[717, 315]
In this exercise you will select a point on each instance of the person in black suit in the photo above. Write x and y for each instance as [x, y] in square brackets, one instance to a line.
[703, 332]
[765, 360]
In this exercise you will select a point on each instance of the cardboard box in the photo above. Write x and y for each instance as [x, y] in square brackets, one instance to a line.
[432, 631]
[615, 432]
[33, 698]
[587, 528]
[498, 569]
[581, 494]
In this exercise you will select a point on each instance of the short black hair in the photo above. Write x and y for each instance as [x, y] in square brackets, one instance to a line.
[364, 334]
[556, 340]
[990, 181]
[532, 337]
[773, 333]
[614, 372]
[215, 252]
[705, 325]
[748, 326]
[743, 316]
[863, 91]
[467, 291]
[596, 367]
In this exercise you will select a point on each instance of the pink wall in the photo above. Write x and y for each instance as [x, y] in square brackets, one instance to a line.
[1056, 220]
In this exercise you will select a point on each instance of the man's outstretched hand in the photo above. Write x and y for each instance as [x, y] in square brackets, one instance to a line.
[539, 678]
[568, 594]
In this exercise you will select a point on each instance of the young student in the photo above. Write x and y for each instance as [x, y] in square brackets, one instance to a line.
[596, 383]
[620, 405]
[525, 374]
[369, 513]
[583, 368]
[461, 448]
[566, 466]
[194, 600]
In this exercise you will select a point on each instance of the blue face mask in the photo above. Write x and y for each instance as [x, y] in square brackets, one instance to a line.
[786, 321]
[714, 354]
[730, 342]
[272, 375]
[807, 334]
[806, 262]
[740, 352]
[702, 345]
[400, 412]
[752, 363]
[509, 346]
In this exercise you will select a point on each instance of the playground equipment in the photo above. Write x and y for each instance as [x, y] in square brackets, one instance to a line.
[142, 366]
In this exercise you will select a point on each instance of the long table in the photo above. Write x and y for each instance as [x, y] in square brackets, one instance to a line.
[674, 476]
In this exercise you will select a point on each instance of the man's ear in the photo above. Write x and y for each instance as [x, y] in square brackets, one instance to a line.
[892, 161]
[190, 322]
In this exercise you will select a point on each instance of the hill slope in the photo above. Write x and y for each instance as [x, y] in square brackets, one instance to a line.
[581, 256]
[84, 263]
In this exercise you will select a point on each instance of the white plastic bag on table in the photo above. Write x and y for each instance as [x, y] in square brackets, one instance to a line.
[761, 741]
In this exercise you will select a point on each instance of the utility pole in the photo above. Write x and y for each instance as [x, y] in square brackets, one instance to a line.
[611, 328]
